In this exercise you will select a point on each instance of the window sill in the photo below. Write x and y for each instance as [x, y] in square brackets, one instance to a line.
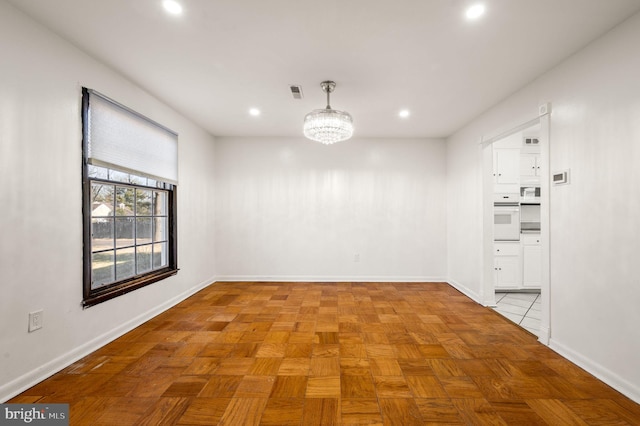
[99, 296]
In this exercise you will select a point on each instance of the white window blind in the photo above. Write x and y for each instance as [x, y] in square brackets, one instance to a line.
[121, 138]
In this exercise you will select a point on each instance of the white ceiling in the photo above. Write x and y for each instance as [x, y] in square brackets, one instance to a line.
[222, 57]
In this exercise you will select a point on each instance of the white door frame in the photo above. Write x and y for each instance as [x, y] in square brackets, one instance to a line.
[487, 289]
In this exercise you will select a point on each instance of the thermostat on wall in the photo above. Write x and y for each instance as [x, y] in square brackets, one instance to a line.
[560, 178]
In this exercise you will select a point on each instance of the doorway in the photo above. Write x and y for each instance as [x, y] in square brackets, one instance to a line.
[516, 270]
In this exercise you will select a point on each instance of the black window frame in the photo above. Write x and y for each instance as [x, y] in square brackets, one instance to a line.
[91, 296]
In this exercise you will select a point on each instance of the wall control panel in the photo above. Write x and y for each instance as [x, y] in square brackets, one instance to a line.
[560, 178]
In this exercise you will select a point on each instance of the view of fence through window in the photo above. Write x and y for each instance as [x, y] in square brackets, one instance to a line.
[129, 226]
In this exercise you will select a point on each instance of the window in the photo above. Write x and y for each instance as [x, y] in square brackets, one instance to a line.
[129, 206]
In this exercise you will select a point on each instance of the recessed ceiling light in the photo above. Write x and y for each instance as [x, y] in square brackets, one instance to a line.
[254, 112]
[475, 11]
[404, 113]
[172, 6]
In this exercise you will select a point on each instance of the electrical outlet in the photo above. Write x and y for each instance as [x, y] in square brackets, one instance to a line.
[35, 320]
[356, 257]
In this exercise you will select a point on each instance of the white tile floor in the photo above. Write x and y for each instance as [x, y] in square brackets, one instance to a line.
[521, 308]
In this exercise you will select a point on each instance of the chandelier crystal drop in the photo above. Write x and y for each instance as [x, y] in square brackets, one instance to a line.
[328, 125]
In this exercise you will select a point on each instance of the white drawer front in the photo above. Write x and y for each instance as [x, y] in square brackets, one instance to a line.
[530, 239]
[506, 249]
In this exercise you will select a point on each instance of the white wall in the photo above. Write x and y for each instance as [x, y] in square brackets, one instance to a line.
[293, 209]
[41, 228]
[595, 231]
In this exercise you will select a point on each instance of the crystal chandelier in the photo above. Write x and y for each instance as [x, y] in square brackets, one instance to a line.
[328, 125]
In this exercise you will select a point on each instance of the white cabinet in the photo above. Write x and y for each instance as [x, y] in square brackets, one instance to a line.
[507, 265]
[531, 261]
[530, 168]
[518, 265]
[506, 168]
[507, 272]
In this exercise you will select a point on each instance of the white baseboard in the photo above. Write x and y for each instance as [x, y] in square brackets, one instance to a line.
[623, 386]
[544, 335]
[330, 278]
[31, 378]
[465, 290]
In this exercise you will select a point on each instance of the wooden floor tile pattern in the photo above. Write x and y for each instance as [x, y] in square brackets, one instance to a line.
[330, 354]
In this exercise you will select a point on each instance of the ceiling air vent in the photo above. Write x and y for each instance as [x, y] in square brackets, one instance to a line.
[296, 91]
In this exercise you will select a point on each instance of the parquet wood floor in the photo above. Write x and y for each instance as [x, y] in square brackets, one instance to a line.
[330, 354]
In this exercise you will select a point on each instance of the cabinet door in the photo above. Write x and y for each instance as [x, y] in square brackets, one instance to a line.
[531, 266]
[530, 168]
[507, 272]
[507, 166]
[528, 165]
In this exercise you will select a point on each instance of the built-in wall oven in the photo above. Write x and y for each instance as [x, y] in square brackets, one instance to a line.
[506, 217]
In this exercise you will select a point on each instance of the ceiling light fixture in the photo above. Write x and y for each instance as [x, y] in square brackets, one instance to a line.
[172, 6]
[328, 125]
[254, 112]
[475, 11]
[404, 113]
